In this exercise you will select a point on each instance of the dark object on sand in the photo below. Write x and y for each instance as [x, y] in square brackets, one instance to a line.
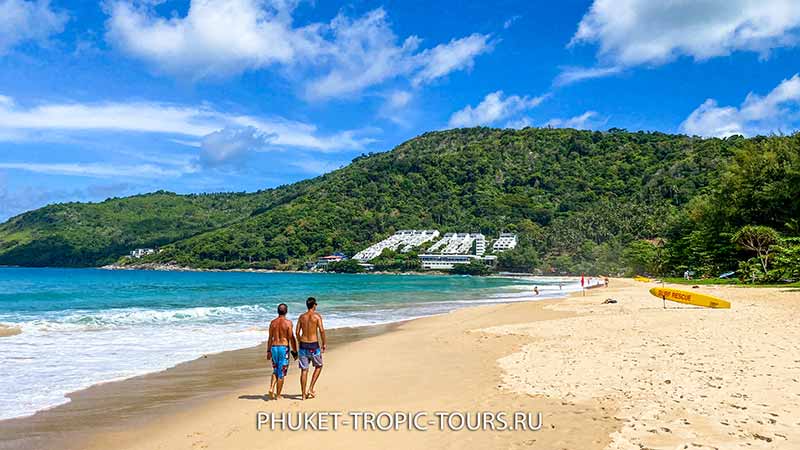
[695, 287]
[608, 301]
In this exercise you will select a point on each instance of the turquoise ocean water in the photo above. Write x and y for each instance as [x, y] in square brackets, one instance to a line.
[85, 326]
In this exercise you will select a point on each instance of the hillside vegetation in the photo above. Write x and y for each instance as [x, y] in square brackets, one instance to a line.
[91, 234]
[573, 194]
[580, 200]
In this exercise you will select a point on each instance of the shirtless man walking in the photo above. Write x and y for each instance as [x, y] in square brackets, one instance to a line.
[280, 337]
[308, 324]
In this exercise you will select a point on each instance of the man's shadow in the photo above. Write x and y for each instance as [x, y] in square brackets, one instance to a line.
[265, 397]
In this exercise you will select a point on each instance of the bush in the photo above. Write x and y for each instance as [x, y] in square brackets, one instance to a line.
[751, 270]
[786, 260]
[759, 239]
[397, 261]
[475, 267]
[345, 266]
[642, 257]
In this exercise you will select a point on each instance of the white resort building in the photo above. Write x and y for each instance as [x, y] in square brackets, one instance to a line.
[456, 248]
[140, 252]
[460, 243]
[447, 262]
[444, 254]
[323, 261]
[506, 241]
[403, 240]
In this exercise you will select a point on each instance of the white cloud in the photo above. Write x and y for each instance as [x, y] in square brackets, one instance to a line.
[510, 21]
[396, 106]
[289, 133]
[518, 124]
[363, 53]
[398, 99]
[756, 108]
[575, 74]
[632, 32]
[777, 111]
[232, 145]
[316, 166]
[135, 116]
[153, 117]
[97, 170]
[219, 38]
[458, 54]
[215, 38]
[492, 109]
[24, 20]
[711, 120]
[585, 121]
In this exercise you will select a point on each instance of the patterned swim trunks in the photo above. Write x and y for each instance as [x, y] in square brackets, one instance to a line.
[310, 353]
[280, 360]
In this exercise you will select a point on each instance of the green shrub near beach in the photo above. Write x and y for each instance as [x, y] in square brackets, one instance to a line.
[345, 266]
[475, 267]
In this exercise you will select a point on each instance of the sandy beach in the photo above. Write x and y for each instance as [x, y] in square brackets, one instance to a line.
[604, 376]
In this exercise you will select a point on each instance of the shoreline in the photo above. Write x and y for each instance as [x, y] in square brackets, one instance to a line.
[160, 267]
[148, 267]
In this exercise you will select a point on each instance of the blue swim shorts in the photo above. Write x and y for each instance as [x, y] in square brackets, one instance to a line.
[280, 360]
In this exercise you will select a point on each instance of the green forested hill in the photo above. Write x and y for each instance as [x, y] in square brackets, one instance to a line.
[91, 234]
[573, 194]
[580, 200]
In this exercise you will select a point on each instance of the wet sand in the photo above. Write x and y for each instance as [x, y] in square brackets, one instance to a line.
[7, 330]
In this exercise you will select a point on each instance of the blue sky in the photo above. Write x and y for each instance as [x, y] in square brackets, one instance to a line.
[116, 97]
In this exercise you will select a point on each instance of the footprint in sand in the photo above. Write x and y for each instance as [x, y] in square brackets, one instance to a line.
[762, 437]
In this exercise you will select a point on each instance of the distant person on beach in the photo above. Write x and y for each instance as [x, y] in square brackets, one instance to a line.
[310, 333]
[280, 338]
[606, 281]
[536, 290]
